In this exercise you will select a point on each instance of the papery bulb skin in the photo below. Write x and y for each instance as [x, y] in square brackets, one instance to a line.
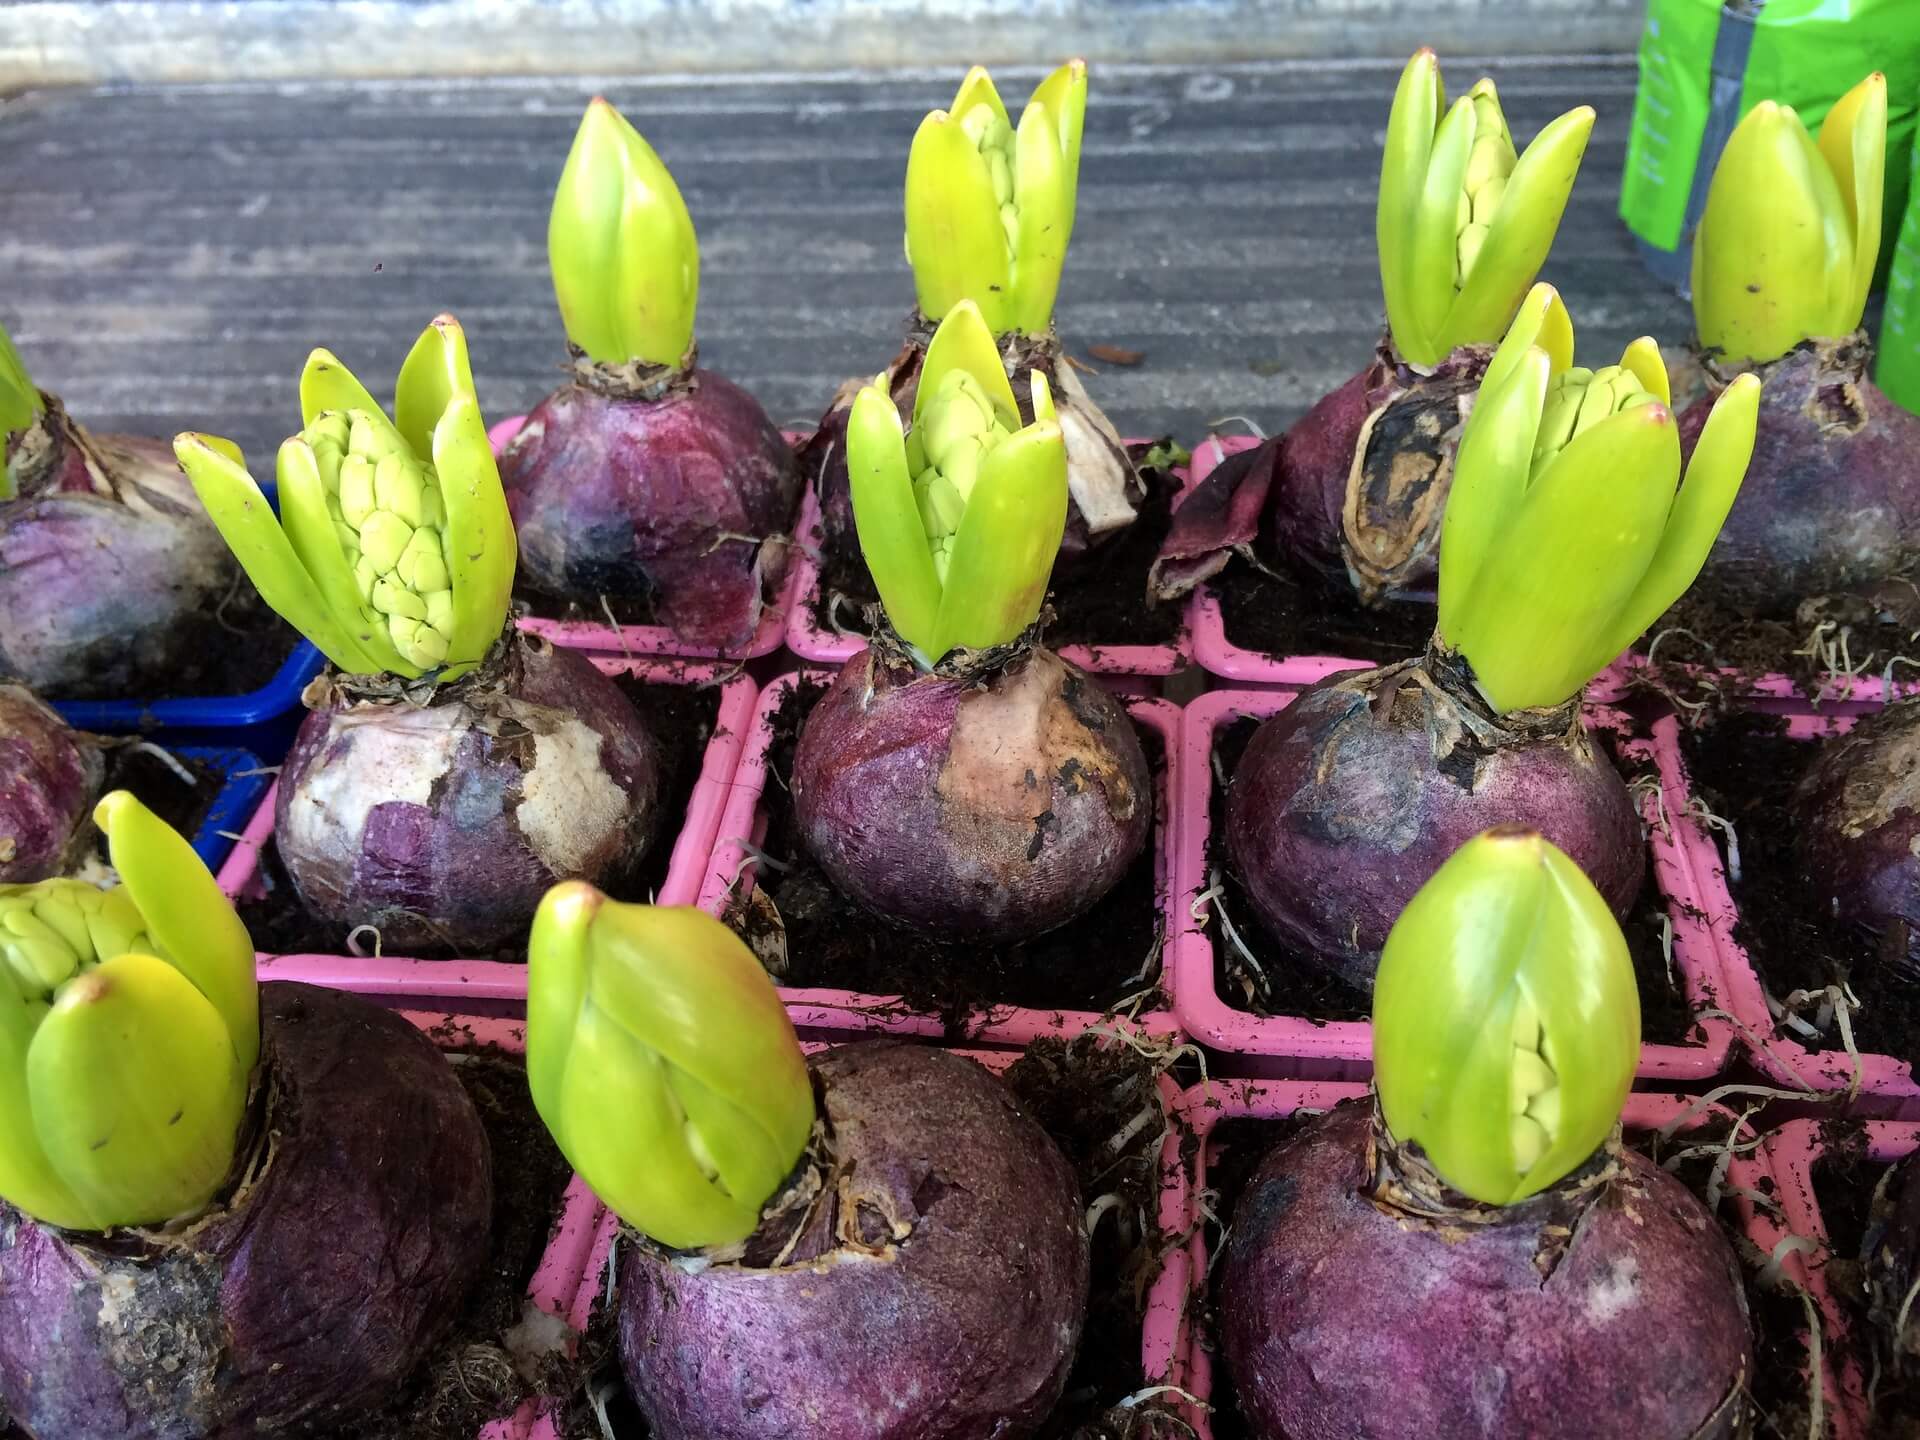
[953, 1244]
[1831, 501]
[1346, 802]
[50, 775]
[443, 825]
[684, 493]
[1615, 1312]
[111, 575]
[303, 1302]
[988, 811]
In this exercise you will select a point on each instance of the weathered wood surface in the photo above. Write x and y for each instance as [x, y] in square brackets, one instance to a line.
[171, 254]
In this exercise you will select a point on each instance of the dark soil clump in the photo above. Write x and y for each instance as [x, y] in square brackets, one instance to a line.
[471, 1377]
[1283, 609]
[1287, 983]
[159, 787]
[682, 720]
[1824, 647]
[1109, 955]
[1745, 767]
[1099, 599]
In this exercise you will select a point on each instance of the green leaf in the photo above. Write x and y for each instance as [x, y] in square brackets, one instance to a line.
[963, 341]
[1760, 256]
[187, 916]
[1008, 539]
[1853, 141]
[136, 1095]
[955, 242]
[1435, 232]
[1508, 947]
[1043, 194]
[977, 88]
[1521, 234]
[892, 538]
[1063, 95]
[1549, 597]
[621, 246]
[327, 385]
[1403, 171]
[20, 403]
[246, 522]
[307, 521]
[481, 547]
[28, 1179]
[1642, 359]
[1714, 476]
[1491, 469]
[661, 1016]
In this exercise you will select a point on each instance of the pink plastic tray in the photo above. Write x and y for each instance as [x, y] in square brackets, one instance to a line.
[1206, 1105]
[656, 639]
[1163, 1341]
[1885, 1085]
[848, 1012]
[1839, 695]
[556, 1284]
[1218, 655]
[827, 647]
[1791, 1152]
[498, 980]
[1298, 1048]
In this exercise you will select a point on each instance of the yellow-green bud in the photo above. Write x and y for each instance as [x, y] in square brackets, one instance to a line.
[388, 512]
[1579, 399]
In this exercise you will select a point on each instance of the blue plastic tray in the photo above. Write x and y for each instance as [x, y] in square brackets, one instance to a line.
[239, 797]
[274, 700]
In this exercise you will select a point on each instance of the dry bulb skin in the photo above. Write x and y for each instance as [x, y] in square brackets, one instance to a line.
[932, 1221]
[112, 578]
[441, 824]
[1016, 797]
[50, 776]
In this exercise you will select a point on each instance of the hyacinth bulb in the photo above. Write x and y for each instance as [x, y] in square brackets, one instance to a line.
[127, 1051]
[393, 553]
[1568, 529]
[1506, 1019]
[1463, 222]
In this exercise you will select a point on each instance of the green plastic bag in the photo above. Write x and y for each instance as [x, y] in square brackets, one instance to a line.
[1898, 369]
[1704, 64]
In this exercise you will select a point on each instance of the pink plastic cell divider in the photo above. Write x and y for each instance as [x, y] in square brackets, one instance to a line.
[1163, 1340]
[556, 1283]
[1837, 695]
[501, 980]
[1299, 1048]
[1791, 1153]
[848, 1012]
[1218, 655]
[658, 639]
[1885, 1085]
[810, 642]
[1204, 1106]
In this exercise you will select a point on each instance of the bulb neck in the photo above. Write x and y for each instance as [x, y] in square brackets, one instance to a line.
[53, 456]
[1403, 1182]
[634, 380]
[971, 668]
